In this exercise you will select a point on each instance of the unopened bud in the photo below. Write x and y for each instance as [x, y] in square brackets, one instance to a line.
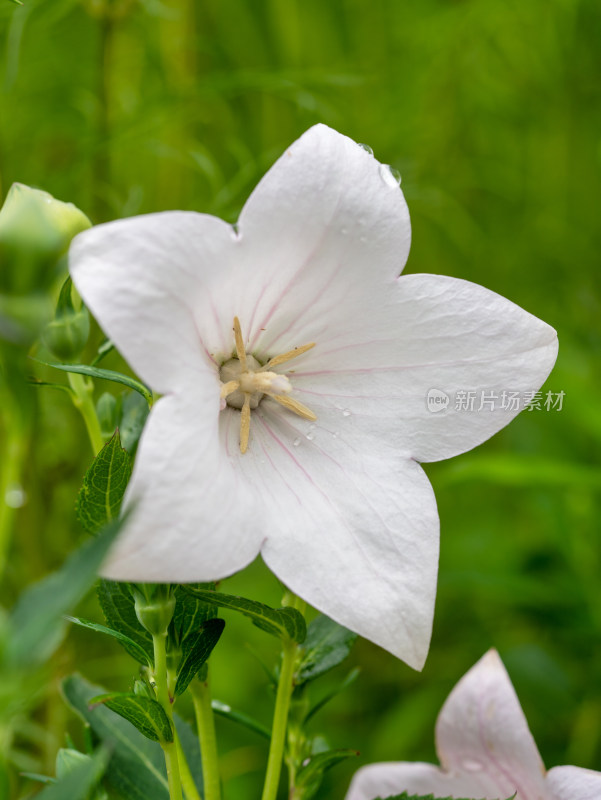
[141, 689]
[107, 412]
[35, 231]
[154, 615]
[67, 334]
[69, 760]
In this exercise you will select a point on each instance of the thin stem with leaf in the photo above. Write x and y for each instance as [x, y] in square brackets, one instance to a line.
[205, 721]
[280, 716]
[159, 642]
[82, 398]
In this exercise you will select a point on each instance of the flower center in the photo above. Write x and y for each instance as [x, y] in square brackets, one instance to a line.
[244, 382]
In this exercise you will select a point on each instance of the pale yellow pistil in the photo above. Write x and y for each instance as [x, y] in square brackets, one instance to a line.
[244, 382]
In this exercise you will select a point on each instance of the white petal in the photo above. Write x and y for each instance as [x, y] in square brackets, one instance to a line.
[387, 779]
[193, 517]
[573, 783]
[350, 527]
[321, 228]
[429, 332]
[144, 278]
[482, 730]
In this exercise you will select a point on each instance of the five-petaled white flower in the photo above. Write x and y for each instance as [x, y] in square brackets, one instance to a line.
[295, 364]
[485, 749]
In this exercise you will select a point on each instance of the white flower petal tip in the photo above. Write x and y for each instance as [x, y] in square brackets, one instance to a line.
[295, 365]
[485, 750]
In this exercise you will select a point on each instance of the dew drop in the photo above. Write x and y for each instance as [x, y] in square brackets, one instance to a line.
[346, 413]
[296, 442]
[367, 148]
[471, 766]
[310, 436]
[390, 175]
[344, 231]
[15, 496]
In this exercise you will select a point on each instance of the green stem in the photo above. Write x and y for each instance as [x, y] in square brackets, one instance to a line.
[188, 784]
[159, 642]
[82, 399]
[205, 721]
[13, 456]
[280, 715]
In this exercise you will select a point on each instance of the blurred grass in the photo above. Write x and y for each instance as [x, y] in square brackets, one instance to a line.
[491, 111]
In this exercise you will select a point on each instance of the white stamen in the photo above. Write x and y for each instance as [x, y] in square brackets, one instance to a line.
[244, 383]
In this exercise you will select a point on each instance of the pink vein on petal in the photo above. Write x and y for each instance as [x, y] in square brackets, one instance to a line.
[275, 469]
[251, 322]
[304, 309]
[298, 272]
[218, 324]
[353, 534]
[502, 770]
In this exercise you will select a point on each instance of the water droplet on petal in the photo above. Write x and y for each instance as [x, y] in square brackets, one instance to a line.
[296, 442]
[472, 766]
[310, 436]
[15, 496]
[346, 413]
[390, 175]
[344, 231]
[367, 148]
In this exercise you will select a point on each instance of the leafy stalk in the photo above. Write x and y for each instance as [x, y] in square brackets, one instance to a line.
[82, 400]
[205, 721]
[280, 716]
[188, 785]
[159, 642]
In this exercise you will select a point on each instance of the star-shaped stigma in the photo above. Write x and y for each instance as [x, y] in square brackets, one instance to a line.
[244, 383]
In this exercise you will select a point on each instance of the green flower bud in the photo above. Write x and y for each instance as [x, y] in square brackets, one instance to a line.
[69, 760]
[35, 231]
[156, 614]
[67, 334]
[142, 689]
[107, 412]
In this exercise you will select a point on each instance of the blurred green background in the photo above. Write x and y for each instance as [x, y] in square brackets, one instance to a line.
[491, 110]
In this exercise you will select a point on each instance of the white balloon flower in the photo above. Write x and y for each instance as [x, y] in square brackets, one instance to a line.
[295, 366]
[485, 749]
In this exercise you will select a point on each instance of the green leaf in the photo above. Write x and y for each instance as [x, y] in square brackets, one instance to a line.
[309, 778]
[196, 650]
[145, 714]
[37, 620]
[67, 389]
[117, 605]
[102, 374]
[243, 719]
[327, 645]
[134, 414]
[79, 782]
[136, 770]
[34, 776]
[104, 349]
[131, 646]
[281, 622]
[190, 612]
[350, 679]
[104, 485]
[407, 796]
